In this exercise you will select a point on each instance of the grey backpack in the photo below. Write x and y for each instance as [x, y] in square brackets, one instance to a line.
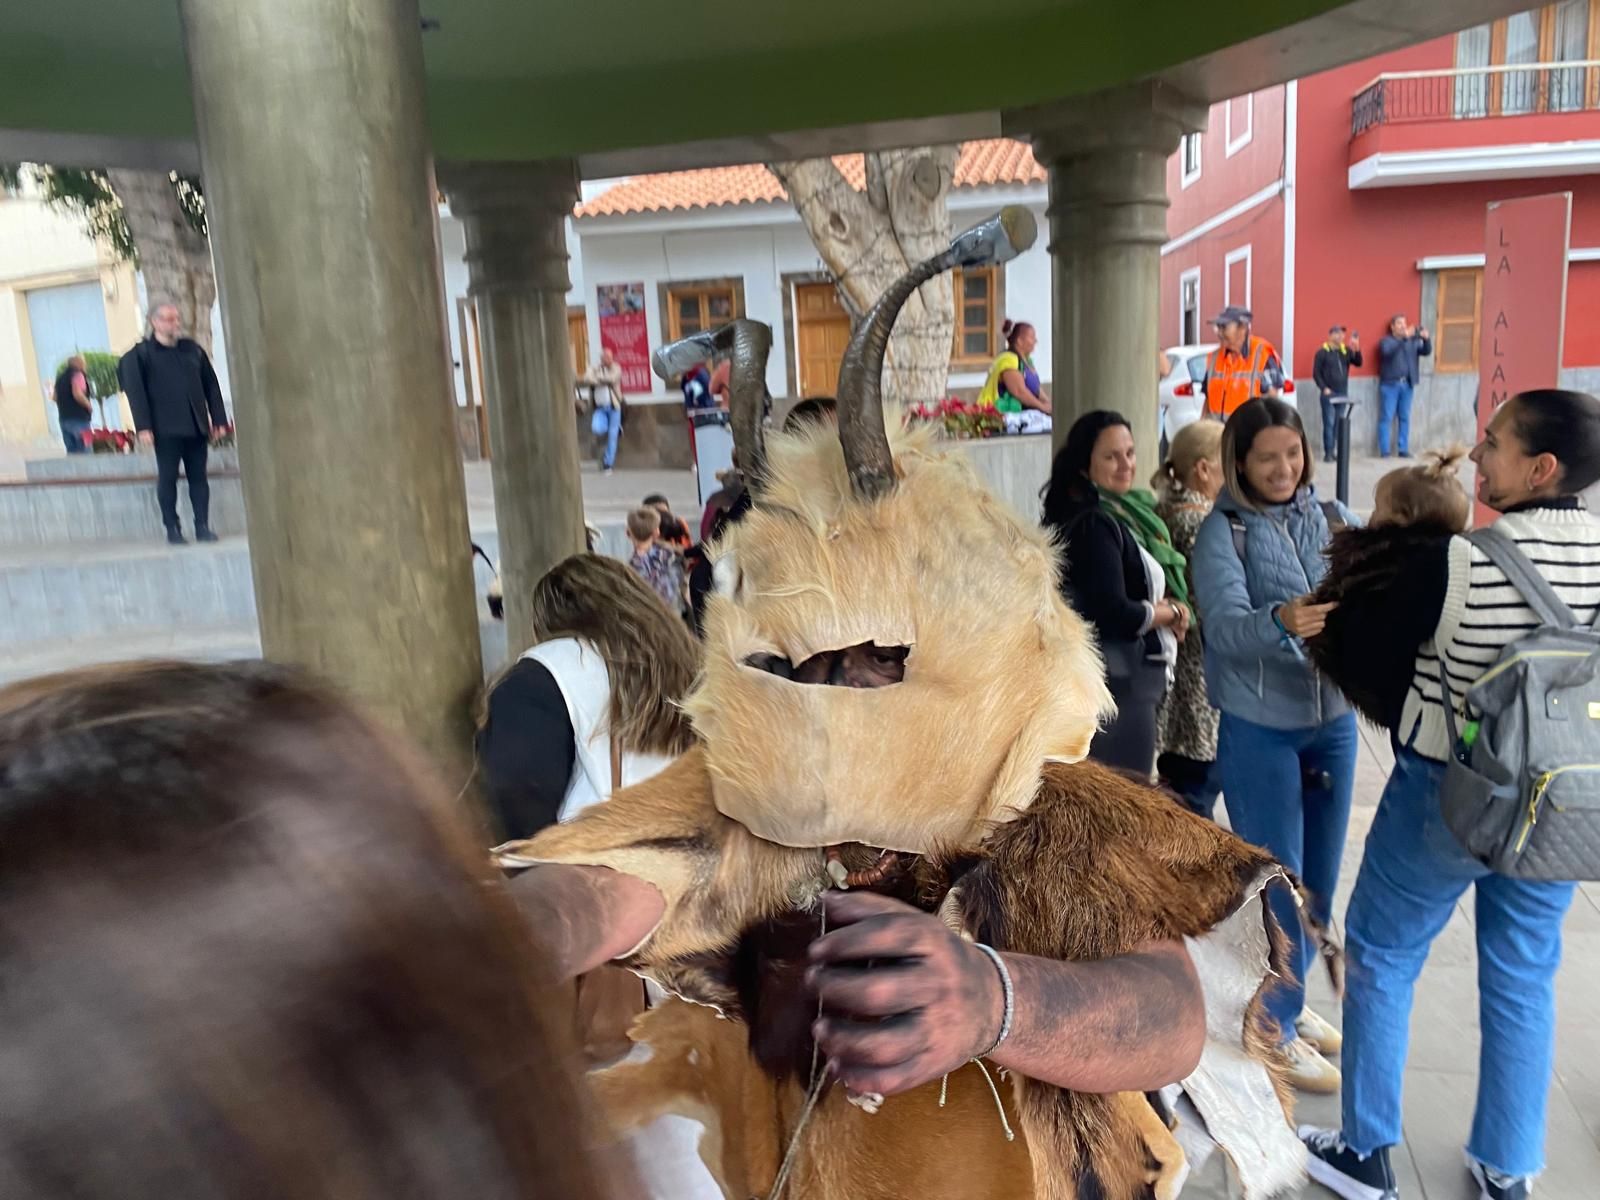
[1522, 787]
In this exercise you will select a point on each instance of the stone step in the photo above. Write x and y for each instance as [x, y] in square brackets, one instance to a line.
[56, 593]
[198, 643]
[42, 514]
[138, 465]
[84, 589]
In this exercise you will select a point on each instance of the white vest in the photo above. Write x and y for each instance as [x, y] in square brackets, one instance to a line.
[580, 673]
[667, 1148]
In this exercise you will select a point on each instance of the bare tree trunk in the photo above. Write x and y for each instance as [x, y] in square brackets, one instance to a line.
[174, 258]
[870, 239]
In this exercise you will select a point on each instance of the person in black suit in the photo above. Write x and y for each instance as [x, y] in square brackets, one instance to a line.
[177, 407]
[1113, 584]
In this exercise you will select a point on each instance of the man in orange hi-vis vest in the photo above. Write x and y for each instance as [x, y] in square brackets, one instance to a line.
[1241, 368]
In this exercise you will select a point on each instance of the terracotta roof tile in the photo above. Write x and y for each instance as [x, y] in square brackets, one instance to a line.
[981, 164]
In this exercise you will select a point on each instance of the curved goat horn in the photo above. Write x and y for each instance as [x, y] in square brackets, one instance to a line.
[861, 431]
[748, 345]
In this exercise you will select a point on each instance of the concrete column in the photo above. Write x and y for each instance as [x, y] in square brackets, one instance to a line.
[514, 215]
[1107, 158]
[314, 147]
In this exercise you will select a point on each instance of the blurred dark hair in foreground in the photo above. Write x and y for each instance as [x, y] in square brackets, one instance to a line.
[246, 950]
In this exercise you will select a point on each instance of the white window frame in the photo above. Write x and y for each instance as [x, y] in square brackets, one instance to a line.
[1241, 254]
[1235, 144]
[1199, 320]
[1185, 176]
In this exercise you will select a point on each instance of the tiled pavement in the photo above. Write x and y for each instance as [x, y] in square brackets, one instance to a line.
[1441, 1077]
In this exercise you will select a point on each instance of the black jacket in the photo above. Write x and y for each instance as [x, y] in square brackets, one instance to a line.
[526, 751]
[203, 393]
[1331, 370]
[1103, 575]
[1389, 583]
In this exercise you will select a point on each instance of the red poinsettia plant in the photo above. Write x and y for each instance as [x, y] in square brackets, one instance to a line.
[959, 418]
[110, 441]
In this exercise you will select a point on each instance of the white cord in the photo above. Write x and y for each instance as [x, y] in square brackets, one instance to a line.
[1005, 1125]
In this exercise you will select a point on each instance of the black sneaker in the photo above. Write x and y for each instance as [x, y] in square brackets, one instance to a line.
[1344, 1172]
[175, 537]
[1494, 1186]
[203, 533]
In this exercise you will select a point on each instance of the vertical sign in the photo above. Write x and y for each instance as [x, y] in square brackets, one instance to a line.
[622, 331]
[1523, 318]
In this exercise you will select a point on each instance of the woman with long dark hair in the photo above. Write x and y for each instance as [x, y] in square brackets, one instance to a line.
[1287, 739]
[252, 950]
[1443, 605]
[1122, 574]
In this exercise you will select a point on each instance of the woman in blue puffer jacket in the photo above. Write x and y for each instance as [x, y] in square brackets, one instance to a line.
[1287, 741]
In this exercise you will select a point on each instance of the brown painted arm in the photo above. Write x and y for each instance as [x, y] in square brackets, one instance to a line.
[1133, 1023]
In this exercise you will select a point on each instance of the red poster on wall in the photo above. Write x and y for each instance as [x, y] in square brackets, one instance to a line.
[1523, 317]
[623, 332]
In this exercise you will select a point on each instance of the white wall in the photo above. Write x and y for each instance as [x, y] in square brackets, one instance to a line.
[758, 255]
[762, 243]
[35, 241]
[40, 241]
[453, 247]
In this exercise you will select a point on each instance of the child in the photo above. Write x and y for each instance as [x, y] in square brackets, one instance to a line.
[1416, 511]
[1426, 496]
[660, 566]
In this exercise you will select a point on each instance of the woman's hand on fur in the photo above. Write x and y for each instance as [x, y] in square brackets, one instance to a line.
[1304, 618]
[904, 1000]
[583, 917]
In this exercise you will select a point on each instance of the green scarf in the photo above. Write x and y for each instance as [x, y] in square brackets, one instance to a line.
[1136, 509]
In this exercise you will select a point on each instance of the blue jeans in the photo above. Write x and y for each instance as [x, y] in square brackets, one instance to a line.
[1395, 396]
[1411, 877]
[72, 432]
[1330, 426]
[1270, 803]
[613, 423]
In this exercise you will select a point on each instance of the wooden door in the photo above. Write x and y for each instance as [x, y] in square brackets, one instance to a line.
[824, 332]
[578, 336]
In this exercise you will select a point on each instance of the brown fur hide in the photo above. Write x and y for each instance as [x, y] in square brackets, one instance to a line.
[1362, 647]
[1096, 866]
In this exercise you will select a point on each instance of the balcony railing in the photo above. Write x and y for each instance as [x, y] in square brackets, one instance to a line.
[1474, 92]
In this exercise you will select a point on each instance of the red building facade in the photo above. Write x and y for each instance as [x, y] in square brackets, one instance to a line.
[1360, 193]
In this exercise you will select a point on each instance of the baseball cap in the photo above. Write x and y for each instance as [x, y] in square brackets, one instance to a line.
[1231, 314]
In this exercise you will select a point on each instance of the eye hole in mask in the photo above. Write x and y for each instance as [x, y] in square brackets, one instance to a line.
[867, 665]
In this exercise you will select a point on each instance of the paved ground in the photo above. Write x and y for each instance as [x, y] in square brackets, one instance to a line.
[1442, 1070]
[1441, 1077]
[605, 497]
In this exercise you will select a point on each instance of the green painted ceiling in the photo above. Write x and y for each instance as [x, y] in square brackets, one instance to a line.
[518, 79]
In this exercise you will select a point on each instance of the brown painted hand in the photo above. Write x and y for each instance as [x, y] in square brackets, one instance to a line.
[904, 999]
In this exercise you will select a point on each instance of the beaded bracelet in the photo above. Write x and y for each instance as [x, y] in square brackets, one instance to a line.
[1007, 992]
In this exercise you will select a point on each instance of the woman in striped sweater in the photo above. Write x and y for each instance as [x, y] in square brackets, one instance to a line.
[1444, 598]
